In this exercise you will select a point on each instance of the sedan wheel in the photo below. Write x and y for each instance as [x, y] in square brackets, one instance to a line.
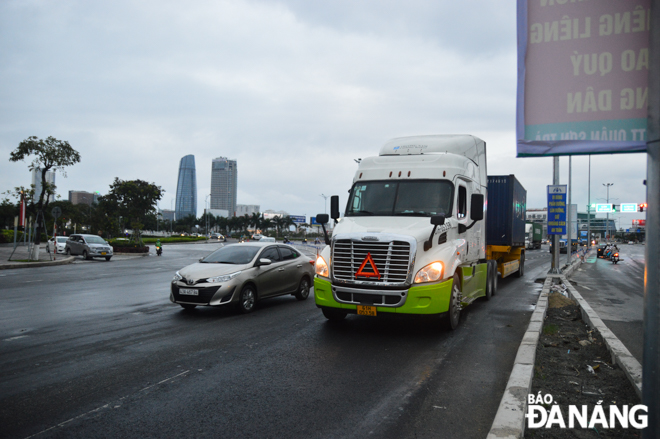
[247, 299]
[303, 289]
[68, 252]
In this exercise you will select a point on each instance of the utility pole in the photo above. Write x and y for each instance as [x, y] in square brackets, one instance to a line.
[325, 197]
[589, 208]
[607, 220]
[555, 238]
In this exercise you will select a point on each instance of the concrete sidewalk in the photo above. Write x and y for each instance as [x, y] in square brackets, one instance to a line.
[21, 255]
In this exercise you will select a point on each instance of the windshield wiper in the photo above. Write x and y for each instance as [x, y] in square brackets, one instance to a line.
[418, 212]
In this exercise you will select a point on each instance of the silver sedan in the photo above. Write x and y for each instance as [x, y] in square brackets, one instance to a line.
[242, 274]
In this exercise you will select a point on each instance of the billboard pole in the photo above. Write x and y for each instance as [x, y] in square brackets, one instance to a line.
[555, 238]
[569, 212]
[651, 356]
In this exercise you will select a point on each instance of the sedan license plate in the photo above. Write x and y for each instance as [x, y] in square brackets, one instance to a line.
[364, 310]
[188, 292]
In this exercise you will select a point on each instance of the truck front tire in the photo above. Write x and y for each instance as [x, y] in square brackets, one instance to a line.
[454, 313]
[334, 315]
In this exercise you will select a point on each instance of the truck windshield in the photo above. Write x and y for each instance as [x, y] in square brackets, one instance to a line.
[400, 198]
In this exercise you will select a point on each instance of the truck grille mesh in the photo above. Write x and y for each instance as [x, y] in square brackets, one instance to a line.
[392, 259]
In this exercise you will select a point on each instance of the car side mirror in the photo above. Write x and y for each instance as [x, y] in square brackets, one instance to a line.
[477, 207]
[264, 261]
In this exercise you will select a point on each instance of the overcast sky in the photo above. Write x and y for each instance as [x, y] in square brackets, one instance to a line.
[294, 90]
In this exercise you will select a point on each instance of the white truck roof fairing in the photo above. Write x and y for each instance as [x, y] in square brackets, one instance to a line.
[464, 145]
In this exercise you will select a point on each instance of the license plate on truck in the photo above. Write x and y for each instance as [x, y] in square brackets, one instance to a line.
[364, 310]
[188, 292]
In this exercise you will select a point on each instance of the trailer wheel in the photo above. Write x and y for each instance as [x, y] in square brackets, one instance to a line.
[454, 313]
[521, 269]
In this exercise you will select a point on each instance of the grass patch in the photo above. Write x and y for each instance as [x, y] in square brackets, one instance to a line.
[550, 329]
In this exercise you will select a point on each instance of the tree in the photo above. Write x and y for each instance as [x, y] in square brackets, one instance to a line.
[134, 200]
[48, 155]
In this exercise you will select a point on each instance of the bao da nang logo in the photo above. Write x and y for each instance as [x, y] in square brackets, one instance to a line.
[544, 412]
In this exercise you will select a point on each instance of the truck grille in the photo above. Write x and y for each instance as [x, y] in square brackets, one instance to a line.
[391, 259]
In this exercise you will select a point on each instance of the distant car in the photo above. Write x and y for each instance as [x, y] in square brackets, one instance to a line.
[600, 250]
[88, 246]
[242, 274]
[630, 243]
[56, 248]
[257, 236]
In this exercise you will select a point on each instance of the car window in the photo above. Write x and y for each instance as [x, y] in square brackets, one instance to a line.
[287, 254]
[94, 240]
[61, 239]
[233, 254]
[270, 253]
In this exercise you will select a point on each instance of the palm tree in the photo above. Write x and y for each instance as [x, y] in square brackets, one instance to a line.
[266, 224]
[256, 220]
[278, 221]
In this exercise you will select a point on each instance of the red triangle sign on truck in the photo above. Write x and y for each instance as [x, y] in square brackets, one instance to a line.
[370, 261]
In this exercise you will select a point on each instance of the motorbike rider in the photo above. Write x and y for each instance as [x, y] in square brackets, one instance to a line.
[159, 248]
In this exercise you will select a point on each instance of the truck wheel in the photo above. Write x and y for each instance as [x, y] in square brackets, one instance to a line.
[454, 313]
[334, 315]
[489, 280]
[521, 269]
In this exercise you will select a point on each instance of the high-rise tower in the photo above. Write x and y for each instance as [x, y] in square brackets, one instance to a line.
[224, 173]
[186, 188]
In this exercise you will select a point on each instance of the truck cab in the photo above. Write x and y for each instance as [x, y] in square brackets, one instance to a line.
[413, 237]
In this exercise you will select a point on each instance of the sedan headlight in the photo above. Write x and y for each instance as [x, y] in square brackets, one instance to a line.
[321, 267]
[177, 276]
[430, 273]
[223, 278]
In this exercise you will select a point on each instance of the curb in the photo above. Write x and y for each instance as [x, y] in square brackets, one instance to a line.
[509, 420]
[64, 261]
[620, 354]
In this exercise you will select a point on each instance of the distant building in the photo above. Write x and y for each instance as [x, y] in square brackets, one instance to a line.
[167, 214]
[247, 209]
[224, 178]
[186, 188]
[36, 182]
[218, 212]
[82, 197]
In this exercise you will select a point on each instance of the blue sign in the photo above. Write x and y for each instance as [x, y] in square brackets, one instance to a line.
[557, 209]
[313, 221]
[298, 219]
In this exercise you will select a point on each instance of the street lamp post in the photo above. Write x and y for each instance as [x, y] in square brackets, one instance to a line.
[607, 217]
[206, 214]
[325, 197]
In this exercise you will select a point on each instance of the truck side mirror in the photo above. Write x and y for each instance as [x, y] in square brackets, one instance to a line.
[334, 207]
[438, 220]
[477, 207]
[322, 218]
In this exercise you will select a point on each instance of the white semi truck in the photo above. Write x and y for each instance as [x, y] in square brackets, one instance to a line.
[413, 239]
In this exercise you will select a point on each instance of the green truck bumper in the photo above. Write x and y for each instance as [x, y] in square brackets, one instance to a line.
[422, 299]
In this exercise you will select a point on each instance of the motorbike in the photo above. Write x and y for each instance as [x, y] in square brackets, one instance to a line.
[159, 250]
[615, 257]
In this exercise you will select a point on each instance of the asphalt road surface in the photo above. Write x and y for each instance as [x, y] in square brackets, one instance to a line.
[616, 293]
[95, 349]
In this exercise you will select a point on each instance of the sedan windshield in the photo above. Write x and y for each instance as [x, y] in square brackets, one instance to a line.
[401, 198]
[233, 254]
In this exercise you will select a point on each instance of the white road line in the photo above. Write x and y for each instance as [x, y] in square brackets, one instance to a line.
[584, 286]
[14, 338]
[61, 424]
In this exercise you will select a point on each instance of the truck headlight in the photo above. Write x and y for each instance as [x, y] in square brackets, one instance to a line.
[430, 273]
[321, 267]
[223, 278]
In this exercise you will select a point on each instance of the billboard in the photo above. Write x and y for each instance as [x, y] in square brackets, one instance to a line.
[639, 223]
[557, 209]
[582, 76]
[298, 219]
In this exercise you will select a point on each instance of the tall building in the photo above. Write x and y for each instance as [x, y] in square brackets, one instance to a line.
[82, 197]
[36, 181]
[186, 188]
[224, 177]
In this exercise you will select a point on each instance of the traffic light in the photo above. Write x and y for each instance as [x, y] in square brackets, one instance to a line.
[642, 207]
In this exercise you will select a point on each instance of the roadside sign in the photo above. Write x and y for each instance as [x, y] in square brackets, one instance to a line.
[313, 221]
[604, 208]
[628, 207]
[56, 212]
[298, 219]
[557, 209]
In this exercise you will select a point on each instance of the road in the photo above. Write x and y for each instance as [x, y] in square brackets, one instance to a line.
[616, 293]
[95, 349]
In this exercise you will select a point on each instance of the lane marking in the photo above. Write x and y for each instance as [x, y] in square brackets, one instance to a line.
[14, 338]
[167, 379]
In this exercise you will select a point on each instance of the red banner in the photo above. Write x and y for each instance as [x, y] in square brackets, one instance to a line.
[639, 222]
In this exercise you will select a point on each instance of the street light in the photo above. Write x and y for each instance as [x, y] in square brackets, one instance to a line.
[206, 214]
[325, 197]
[607, 218]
